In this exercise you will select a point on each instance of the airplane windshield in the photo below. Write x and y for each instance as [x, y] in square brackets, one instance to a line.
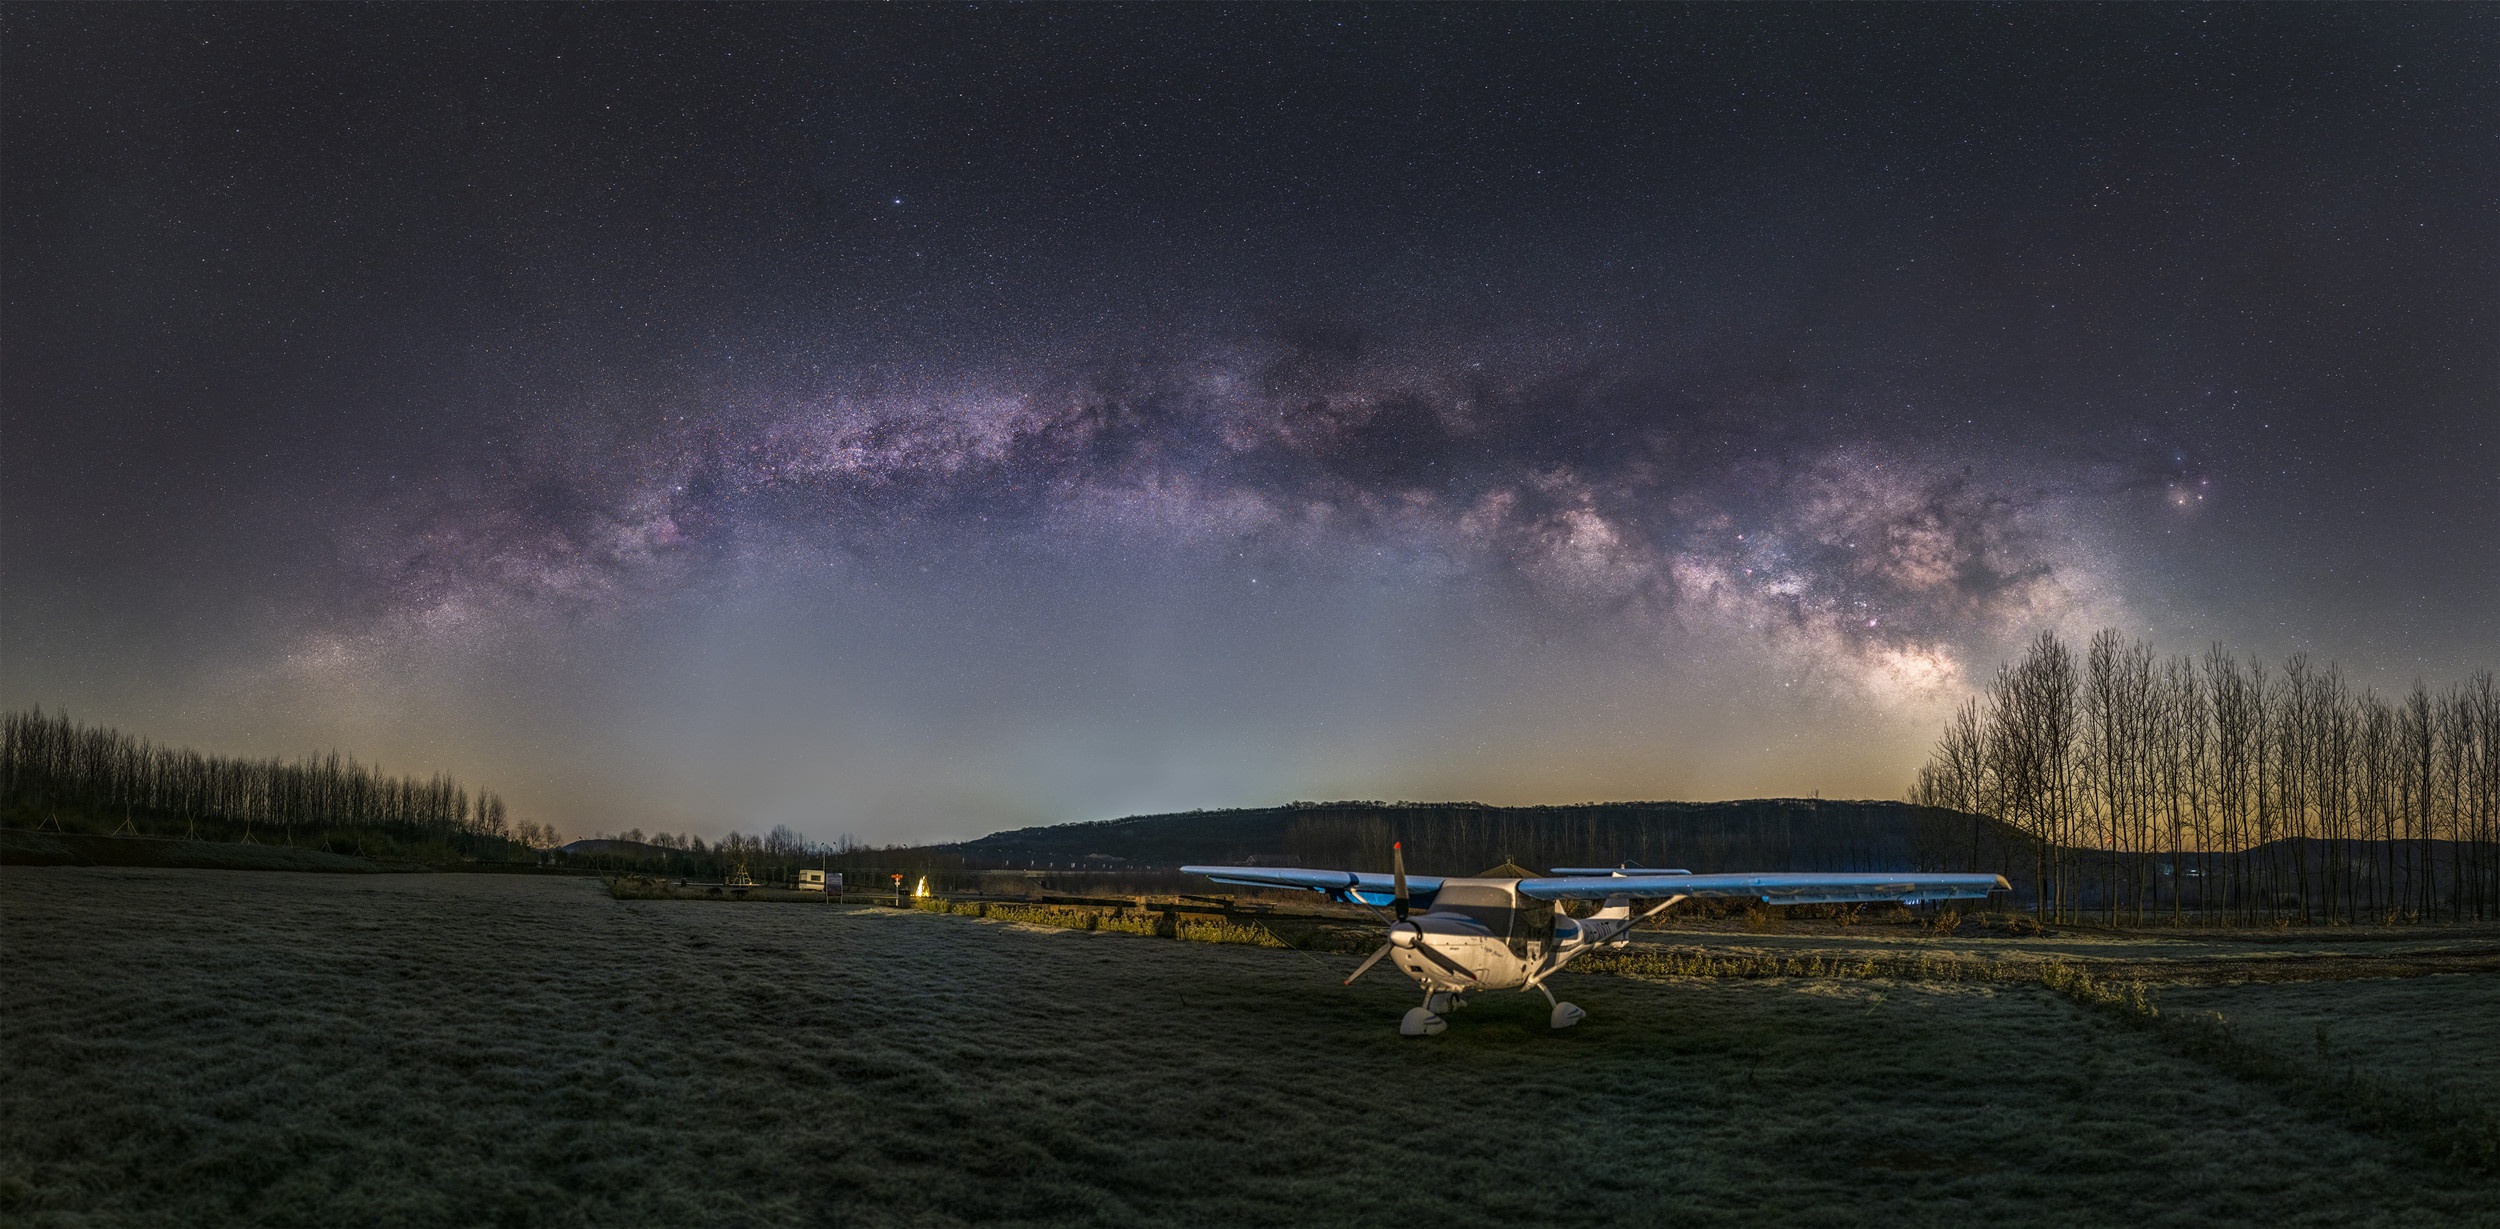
[1486, 903]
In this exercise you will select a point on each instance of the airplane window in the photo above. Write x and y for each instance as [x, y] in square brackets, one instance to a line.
[1487, 904]
[1532, 929]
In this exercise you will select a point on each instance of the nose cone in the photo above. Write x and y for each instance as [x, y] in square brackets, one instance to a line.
[1405, 935]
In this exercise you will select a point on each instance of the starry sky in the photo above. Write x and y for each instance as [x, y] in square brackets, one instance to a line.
[914, 422]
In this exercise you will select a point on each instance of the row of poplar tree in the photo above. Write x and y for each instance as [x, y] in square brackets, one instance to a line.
[2225, 791]
[49, 763]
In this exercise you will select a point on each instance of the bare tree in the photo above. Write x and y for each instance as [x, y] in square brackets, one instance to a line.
[50, 760]
[2291, 793]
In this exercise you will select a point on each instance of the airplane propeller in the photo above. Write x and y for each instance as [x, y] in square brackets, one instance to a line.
[1366, 966]
[1411, 934]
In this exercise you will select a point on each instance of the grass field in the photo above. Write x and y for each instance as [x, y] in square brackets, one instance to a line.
[2440, 1031]
[205, 1047]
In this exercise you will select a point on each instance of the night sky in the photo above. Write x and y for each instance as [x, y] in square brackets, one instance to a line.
[916, 422]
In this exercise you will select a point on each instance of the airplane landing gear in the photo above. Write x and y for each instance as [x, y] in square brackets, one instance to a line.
[1426, 1021]
[1565, 1015]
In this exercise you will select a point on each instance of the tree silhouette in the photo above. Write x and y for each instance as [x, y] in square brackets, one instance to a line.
[2291, 795]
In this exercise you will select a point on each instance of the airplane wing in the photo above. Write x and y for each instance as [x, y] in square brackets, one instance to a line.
[1794, 888]
[1339, 885]
[1615, 870]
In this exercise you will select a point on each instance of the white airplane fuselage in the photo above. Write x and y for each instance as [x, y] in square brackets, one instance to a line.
[1481, 934]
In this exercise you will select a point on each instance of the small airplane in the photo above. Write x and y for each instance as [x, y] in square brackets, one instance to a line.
[1505, 933]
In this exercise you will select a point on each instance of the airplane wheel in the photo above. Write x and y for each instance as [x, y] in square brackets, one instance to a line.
[1421, 1023]
[1566, 1015]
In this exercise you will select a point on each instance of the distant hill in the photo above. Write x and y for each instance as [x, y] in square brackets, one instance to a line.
[1461, 838]
[630, 849]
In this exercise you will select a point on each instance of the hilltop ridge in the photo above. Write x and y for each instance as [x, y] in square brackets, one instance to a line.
[1458, 837]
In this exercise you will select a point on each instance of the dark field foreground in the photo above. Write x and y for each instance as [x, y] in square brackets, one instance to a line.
[204, 1047]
